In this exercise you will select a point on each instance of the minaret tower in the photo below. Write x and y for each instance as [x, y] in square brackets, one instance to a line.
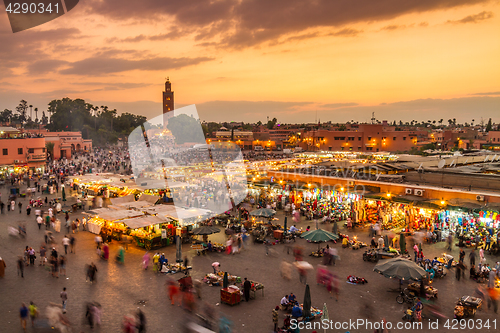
[168, 101]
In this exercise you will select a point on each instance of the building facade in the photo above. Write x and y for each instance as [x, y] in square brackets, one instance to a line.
[360, 138]
[21, 152]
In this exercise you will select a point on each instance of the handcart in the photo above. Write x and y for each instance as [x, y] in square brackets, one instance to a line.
[371, 255]
[467, 307]
[199, 248]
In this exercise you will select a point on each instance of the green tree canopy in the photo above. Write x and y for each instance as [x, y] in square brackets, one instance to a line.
[186, 129]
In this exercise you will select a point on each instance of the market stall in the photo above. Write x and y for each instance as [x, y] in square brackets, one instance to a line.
[105, 217]
[150, 231]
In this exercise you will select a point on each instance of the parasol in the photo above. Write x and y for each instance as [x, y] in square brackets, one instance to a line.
[402, 269]
[402, 243]
[306, 307]
[263, 212]
[178, 253]
[319, 235]
[205, 230]
[335, 228]
[225, 281]
[324, 315]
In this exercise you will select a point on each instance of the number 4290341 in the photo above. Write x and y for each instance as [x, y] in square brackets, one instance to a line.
[471, 324]
[32, 8]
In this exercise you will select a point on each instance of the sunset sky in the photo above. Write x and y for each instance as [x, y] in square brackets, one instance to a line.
[295, 60]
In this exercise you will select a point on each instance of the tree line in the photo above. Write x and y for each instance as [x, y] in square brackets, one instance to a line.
[99, 123]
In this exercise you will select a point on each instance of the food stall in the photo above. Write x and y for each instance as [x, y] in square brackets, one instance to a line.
[108, 218]
[150, 231]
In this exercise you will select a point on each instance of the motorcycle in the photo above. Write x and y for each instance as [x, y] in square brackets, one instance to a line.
[370, 255]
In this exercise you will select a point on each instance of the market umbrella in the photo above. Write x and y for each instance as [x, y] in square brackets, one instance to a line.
[306, 311]
[402, 243]
[178, 253]
[225, 281]
[205, 230]
[324, 315]
[319, 235]
[63, 194]
[263, 212]
[335, 228]
[402, 269]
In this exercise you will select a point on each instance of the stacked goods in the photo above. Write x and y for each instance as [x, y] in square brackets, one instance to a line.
[218, 247]
[217, 279]
[175, 268]
[371, 214]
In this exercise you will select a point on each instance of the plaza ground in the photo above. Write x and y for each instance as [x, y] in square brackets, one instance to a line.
[123, 288]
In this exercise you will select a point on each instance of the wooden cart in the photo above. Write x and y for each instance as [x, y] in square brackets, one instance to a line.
[199, 248]
[230, 296]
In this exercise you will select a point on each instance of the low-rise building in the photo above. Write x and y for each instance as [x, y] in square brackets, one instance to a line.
[21, 152]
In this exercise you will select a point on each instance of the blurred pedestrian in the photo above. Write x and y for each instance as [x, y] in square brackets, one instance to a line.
[23, 314]
[141, 321]
[145, 261]
[33, 311]
[62, 265]
[286, 269]
[2, 268]
[72, 244]
[275, 318]
[64, 298]
[20, 266]
[246, 289]
[65, 242]
[173, 291]
[128, 324]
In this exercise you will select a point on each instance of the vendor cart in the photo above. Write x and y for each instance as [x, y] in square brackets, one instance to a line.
[467, 307]
[430, 292]
[152, 242]
[199, 248]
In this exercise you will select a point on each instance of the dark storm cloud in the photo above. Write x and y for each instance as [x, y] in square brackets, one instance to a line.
[474, 18]
[100, 66]
[251, 22]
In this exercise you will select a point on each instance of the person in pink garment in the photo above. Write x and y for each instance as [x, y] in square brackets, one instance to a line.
[145, 261]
